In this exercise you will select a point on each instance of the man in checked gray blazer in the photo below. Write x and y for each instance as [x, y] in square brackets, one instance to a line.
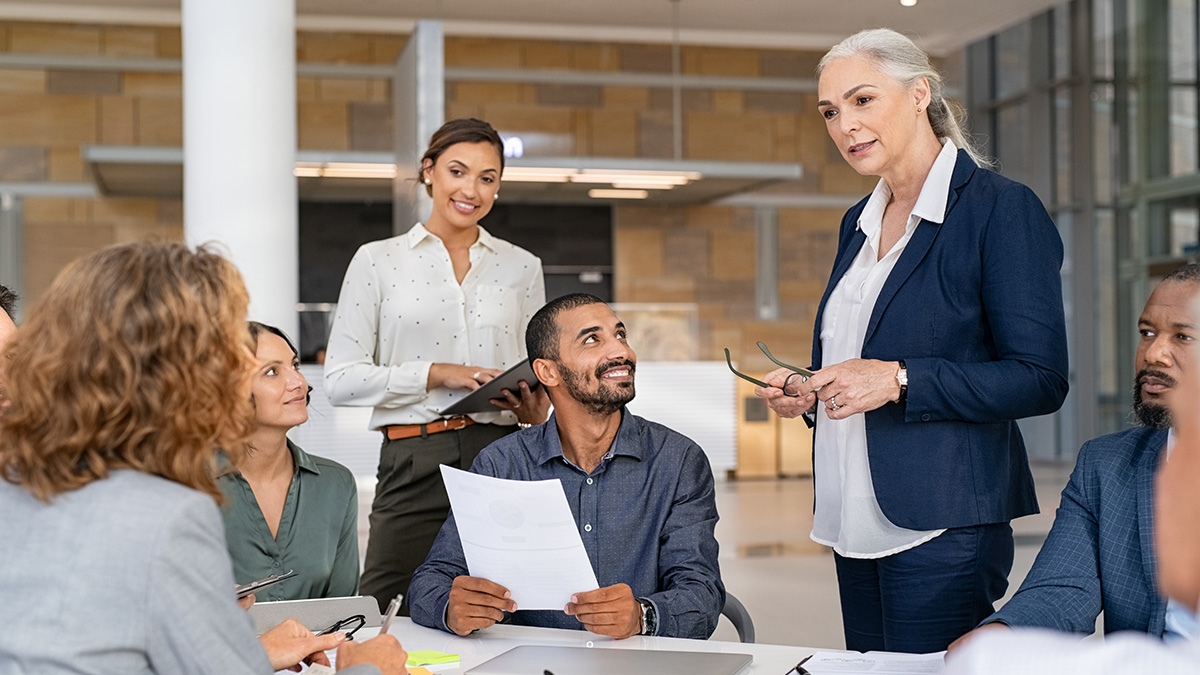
[1099, 554]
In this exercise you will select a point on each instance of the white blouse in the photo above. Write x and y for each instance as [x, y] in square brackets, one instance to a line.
[847, 516]
[401, 310]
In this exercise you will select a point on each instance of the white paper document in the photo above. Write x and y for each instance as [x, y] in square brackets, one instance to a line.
[876, 663]
[520, 534]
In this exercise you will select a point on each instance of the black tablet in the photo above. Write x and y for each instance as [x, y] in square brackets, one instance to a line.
[478, 400]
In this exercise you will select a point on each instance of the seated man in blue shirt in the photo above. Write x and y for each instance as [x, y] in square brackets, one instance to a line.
[642, 496]
[1098, 555]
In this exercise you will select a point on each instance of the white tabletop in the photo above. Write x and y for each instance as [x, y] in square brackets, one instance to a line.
[484, 644]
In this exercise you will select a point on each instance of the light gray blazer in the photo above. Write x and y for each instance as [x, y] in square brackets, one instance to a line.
[126, 575]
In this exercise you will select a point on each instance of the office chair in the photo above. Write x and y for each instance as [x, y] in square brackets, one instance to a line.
[739, 616]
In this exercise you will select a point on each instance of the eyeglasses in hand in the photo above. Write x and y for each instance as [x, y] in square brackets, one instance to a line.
[357, 621]
[790, 385]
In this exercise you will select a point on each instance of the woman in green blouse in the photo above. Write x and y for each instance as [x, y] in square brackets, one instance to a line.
[286, 509]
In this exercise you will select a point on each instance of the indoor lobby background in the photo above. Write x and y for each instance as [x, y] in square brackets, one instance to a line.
[1092, 103]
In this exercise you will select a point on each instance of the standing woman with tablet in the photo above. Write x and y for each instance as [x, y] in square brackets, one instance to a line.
[942, 324]
[423, 319]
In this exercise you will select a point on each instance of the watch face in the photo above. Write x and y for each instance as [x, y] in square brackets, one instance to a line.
[649, 617]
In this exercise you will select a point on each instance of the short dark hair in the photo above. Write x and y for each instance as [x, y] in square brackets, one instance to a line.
[541, 336]
[461, 130]
[1189, 272]
[8, 300]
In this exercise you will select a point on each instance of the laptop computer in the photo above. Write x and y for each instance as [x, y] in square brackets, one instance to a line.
[537, 659]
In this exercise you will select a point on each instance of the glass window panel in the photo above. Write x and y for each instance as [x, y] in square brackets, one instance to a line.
[1130, 35]
[1061, 44]
[1104, 142]
[1185, 224]
[1131, 147]
[1174, 227]
[979, 128]
[1102, 39]
[1182, 40]
[1110, 394]
[1128, 237]
[1062, 146]
[1158, 230]
[979, 72]
[1012, 60]
[1183, 130]
[1012, 123]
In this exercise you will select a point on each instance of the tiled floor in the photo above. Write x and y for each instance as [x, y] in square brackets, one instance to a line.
[786, 581]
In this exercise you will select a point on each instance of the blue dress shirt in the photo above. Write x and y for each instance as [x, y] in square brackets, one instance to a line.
[647, 516]
[1181, 624]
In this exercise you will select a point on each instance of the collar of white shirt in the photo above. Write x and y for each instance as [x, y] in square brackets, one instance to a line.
[931, 203]
[418, 234]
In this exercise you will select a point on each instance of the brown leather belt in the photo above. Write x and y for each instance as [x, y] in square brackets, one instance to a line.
[398, 432]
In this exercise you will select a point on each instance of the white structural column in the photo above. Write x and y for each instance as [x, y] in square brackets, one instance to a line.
[418, 109]
[239, 143]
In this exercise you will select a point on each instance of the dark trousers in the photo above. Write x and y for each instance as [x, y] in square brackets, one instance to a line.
[410, 504]
[920, 600]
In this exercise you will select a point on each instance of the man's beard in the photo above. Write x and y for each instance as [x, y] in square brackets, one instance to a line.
[1151, 415]
[608, 397]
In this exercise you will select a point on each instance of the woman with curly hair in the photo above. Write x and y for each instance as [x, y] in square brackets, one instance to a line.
[128, 374]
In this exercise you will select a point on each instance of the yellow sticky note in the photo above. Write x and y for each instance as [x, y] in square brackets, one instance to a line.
[427, 657]
[419, 671]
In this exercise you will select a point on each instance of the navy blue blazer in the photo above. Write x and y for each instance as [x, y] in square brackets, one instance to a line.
[974, 308]
[1099, 554]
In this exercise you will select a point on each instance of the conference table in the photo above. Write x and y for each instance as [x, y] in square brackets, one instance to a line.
[483, 645]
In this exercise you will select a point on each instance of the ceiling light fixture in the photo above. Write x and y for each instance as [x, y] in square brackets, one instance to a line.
[530, 174]
[908, 3]
[343, 170]
[638, 185]
[659, 179]
[602, 193]
[624, 176]
[618, 178]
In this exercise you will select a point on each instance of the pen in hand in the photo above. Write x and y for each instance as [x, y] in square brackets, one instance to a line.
[393, 607]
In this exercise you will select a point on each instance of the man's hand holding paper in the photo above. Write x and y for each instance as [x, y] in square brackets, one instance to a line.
[476, 603]
[611, 611]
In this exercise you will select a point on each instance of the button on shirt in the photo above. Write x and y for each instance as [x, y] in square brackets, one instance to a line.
[847, 515]
[646, 515]
[401, 310]
[317, 535]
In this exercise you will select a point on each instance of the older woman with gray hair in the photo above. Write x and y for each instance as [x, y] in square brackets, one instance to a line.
[941, 325]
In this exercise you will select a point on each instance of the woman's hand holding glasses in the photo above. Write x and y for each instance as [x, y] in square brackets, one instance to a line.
[785, 390]
[787, 395]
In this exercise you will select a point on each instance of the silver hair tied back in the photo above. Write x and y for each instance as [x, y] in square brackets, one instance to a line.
[899, 57]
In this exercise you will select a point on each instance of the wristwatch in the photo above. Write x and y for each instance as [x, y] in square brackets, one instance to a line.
[902, 378]
[649, 617]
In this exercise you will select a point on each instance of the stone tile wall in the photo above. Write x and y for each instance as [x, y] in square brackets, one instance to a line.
[700, 254]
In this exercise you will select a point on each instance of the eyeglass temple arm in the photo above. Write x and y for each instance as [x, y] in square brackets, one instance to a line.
[729, 361]
[804, 372]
